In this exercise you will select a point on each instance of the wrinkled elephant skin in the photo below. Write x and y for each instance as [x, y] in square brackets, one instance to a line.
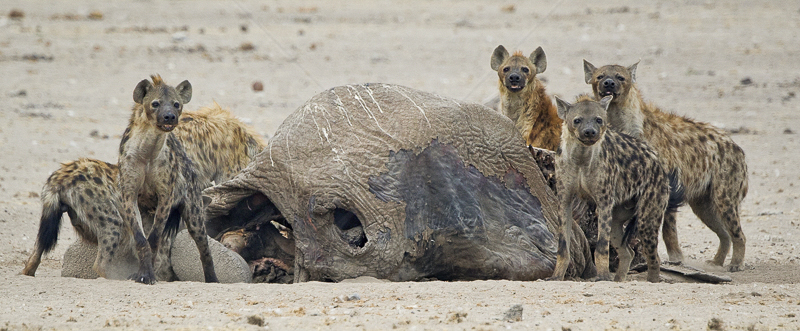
[386, 181]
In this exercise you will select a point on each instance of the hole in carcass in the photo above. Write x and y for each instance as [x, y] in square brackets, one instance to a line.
[256, 230]
[352, 230]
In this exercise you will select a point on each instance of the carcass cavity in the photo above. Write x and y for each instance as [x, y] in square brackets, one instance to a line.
[352, 231]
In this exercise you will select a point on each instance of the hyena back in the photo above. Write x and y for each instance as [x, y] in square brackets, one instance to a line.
[86, 190]
[712, 166]
[621, 175]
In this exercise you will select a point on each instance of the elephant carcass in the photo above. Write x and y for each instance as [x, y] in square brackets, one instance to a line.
[386, 181]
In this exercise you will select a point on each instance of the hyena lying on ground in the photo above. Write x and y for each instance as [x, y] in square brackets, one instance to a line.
[618, 173]
[712, 167]
[523, 98]
[87, 189]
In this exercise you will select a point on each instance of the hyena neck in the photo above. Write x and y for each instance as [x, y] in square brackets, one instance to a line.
[523, 104]
[627, 116]
[577, 153]
[142, 140]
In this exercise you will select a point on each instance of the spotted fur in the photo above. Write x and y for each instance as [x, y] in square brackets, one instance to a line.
[712, 166]
[620, 174]
[86, 189]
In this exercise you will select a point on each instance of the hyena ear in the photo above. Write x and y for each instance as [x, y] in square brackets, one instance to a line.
[604, 102]
[141, 90]
[498, 57]
[539, 59]
[184, 90]
[632, 70]
[206, 201]
[563, 107]
[588, 71]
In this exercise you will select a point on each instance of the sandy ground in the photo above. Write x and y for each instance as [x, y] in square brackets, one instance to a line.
[68, 69]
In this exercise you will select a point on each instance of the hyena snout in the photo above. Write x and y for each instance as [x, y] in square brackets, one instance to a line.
[515, 82]
[167, 120]
[608, 87]
[589, 133]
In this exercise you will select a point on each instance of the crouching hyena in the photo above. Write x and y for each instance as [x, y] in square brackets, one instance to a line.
[616, 172]
[219, 145]
[712, 167]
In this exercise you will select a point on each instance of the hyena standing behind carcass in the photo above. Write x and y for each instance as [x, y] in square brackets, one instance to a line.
[86, 189]
[616, 172]
[523, 98]
[712, 167]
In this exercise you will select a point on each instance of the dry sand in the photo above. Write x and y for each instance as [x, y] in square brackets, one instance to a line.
[68, 69]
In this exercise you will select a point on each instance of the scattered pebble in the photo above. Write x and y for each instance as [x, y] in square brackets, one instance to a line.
[715, 324]
[95, 15]
[788, 131]
[16, 14]
[457, 317]
[514, 314]
[245, 47]
[258, 86]
[746, 81]
[255, 320]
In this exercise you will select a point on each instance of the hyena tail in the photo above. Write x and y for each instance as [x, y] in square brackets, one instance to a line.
[631, 231]
[677, 196]
[173, 223]
[49, 226]
[50, 223]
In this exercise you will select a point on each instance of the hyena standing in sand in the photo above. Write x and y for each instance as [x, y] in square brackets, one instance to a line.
[615, 171]
[155, 172]
[712, 167]
[523, 98]
[86, 189]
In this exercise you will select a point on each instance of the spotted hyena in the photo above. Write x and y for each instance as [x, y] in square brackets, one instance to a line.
[616, 172]
[523, 98]
[712, 167]
[86, 189]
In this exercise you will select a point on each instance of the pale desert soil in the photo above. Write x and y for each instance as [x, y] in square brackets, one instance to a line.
[66, 93]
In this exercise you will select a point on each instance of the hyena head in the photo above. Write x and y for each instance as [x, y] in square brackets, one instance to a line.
[517, 71]
[163, 104]
[586, 119]
[614, 80]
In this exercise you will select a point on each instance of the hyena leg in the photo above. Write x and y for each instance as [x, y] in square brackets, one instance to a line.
[194, 219]
[707, 213]
[563, 257]
[603, 233]
[670, 235]
[109, 238]
[648, 233]
[727, 206]
[624, 251]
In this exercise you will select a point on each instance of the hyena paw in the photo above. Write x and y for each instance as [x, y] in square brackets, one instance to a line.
[735, 267]
[144, 277]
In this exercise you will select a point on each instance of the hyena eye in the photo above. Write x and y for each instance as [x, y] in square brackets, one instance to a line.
[600, 77]
[176, 105]
[620, 78]
[598, 120]
[155, 104]
[506, 69]
[576, 121]
[525, 70]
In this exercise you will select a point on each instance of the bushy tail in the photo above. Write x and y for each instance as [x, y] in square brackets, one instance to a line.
[49, 226]
[50, 223]
[677, 196]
